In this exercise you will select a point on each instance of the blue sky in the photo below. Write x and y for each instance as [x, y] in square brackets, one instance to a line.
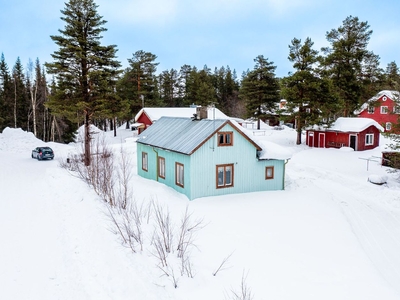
[215, 33]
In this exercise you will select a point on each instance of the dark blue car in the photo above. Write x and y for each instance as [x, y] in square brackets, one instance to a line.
[42, 153]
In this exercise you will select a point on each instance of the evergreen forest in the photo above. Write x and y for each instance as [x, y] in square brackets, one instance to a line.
[85, 84]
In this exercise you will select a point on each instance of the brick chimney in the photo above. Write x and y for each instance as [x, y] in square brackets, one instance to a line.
[201, 112]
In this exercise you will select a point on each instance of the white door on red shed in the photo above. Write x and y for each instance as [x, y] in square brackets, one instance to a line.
[321, 140]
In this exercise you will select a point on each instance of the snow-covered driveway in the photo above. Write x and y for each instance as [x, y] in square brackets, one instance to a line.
[55, 243]
[372, 211]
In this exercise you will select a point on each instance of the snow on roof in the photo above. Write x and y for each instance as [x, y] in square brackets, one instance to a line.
[271, 150]
[155, 113]
[353, 124]
[394, 95]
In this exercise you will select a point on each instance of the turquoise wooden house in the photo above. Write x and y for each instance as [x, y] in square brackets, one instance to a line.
[202, 158]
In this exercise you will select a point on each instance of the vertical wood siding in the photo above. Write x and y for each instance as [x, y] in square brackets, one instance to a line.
[249, 172]
[200, 177]
[170, 159]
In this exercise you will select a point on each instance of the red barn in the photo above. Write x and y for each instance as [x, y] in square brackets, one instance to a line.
[357, 133]
[384, 108]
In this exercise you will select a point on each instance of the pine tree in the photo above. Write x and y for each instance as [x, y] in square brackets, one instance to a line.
[186, 84]
[392, 77]
[371, 77]
[226, 90]
[142, 73]
[169, 87]
[345, 60]
[260, 89]
[234, 106]
[21, 103]
[308, 95]
[34, 86]
[42, 97]
[205, 93]
[85, 70]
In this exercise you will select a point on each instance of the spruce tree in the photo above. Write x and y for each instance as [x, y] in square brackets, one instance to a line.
[234, 105]
[260, 89]
[226, 91]
[20, 106]
[185, 85]
[5, 95]
[85, 70]
[205, 93]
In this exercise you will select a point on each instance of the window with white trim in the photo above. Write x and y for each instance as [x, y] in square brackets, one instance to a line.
[388, 126]
[224, 176]
[369, 139]
[396, 109]
[179, 174]
[144, 161]
[371, 109]
[384, 109]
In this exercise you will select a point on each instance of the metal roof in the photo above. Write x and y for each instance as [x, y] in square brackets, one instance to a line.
[183, 135]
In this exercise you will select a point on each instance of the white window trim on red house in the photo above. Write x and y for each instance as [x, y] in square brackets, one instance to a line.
[369, 139]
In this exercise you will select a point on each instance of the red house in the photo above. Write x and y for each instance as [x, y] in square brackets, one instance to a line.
[384, 108]
[148, 115]
[358, 133]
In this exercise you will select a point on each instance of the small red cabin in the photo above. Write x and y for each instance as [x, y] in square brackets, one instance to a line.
[358, 133]
[148, 115]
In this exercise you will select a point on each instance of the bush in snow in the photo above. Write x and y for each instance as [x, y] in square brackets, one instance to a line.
[244, 292]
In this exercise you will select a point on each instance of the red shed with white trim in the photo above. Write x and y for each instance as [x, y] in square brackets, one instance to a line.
[358, 133]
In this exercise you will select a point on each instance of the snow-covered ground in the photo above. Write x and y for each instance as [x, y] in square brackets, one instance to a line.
[330, 234]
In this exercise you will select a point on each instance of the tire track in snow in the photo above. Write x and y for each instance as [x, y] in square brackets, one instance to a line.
[373, 220]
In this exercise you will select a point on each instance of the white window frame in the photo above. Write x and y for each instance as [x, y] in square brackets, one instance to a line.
[396, 109]
[388, 126]
[371, 110]
[384, 110]
[369, 139]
